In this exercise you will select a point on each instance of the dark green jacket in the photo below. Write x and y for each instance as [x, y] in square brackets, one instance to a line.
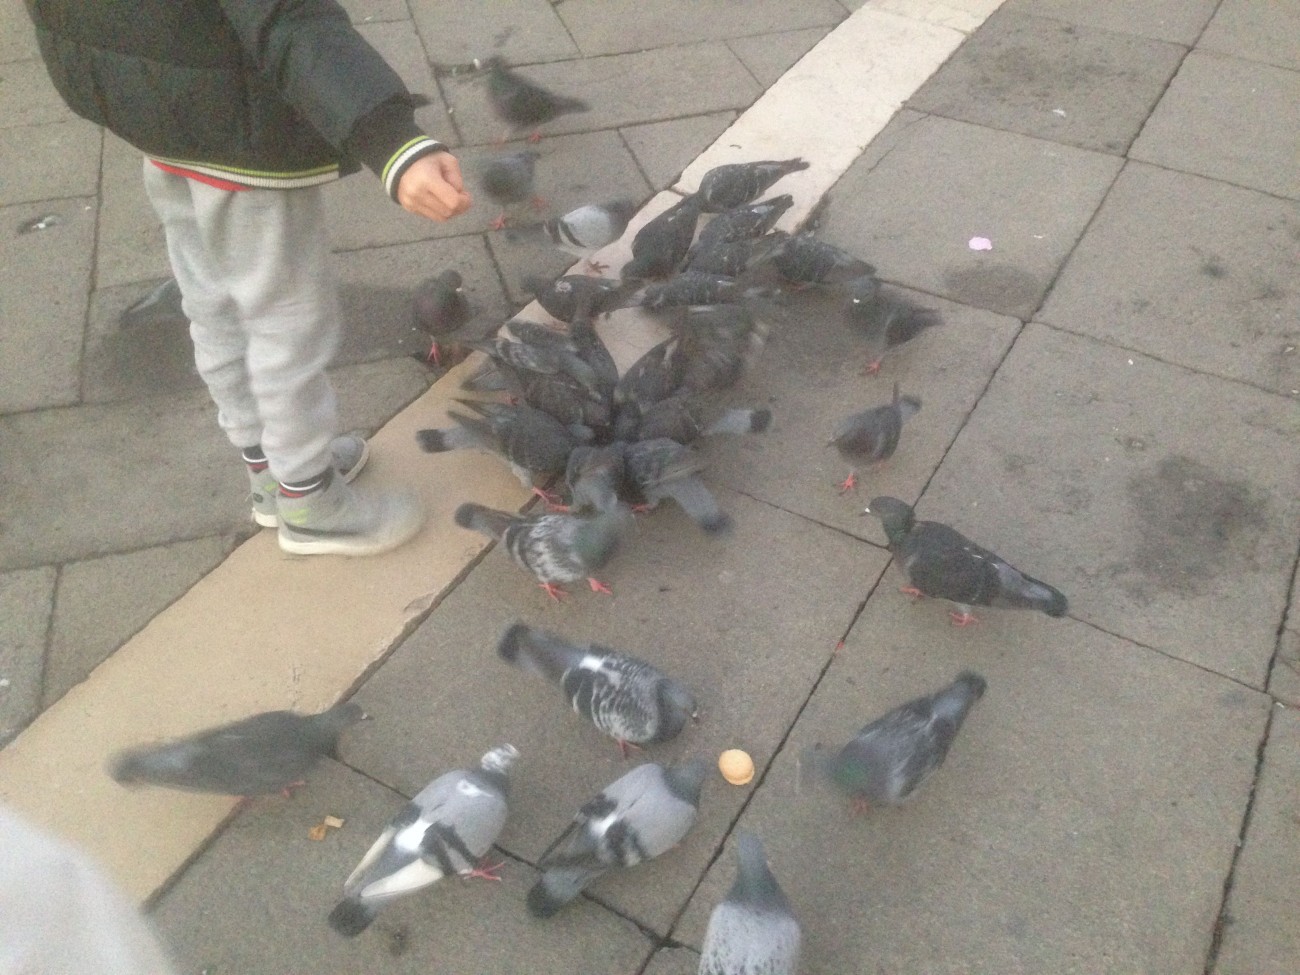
[272, 93]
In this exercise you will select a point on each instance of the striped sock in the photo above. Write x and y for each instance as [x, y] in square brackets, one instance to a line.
[304, 488]
[254, 458]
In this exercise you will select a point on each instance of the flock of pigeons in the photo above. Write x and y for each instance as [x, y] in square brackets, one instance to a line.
[620, 444]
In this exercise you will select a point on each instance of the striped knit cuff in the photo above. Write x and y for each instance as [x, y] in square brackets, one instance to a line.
[400, 160]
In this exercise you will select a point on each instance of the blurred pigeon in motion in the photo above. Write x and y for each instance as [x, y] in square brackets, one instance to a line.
[533, 443]
[529, 347]
[662, 468]
[886, 321]
[640, 816]
[557, 548]
[940, 561]
[744, 222]
[589, 228]
[694, 287]
[594, 476]
[660, 246]
[446, 829]
[717, 343]
[680, 418]
[508, 179]
[652, 377]
[805, 260]
[521, 104]
[735, 184]
[258, 755]
[753, 931]
[889, 759]
[439, 310]
[624, 697]
[577, 297]
[871, 436]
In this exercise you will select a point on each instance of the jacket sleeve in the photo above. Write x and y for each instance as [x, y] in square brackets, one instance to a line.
[320, 64]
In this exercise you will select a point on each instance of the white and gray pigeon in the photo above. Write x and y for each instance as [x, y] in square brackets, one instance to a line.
[871, 436]
[663, 468]
[557, 548]
[735, 184]
[448, 828]
[626, 698]
[940, 561]
[588, 228]
[753, 931]
[891, 757]
[508, 178]
[640, 816]
[521, 103]
[884, 320]
[660, 246]
[258, 755]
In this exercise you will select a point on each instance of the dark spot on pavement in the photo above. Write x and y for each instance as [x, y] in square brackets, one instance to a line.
[1213, 269]
[999, 287]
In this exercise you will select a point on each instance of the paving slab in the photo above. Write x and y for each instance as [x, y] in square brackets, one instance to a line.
[810, 375]
[44, 310]
[674, 961]
[101, 603]
[962, 15]
[1256, 30]
[1220, 118]
[616, 26]
[1119, 479]
[1041, 77]
[129, 245]
[27, 97]
[126, 362]
[664, 149]
[622, 89]
[1180, 21]
[1020, 853]
[713, 612]
[521, 31]
[26, 601]
[1259, 933]
[1284, 681]
[375, 11]
[768, 56]
[17, 36]
[400, 45]
[264, 889]
[1192, 271]
[26, 153]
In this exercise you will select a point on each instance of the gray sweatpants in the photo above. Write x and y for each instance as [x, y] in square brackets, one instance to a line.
[257, 286]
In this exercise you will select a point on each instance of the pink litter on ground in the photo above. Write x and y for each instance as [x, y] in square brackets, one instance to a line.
[981, 244]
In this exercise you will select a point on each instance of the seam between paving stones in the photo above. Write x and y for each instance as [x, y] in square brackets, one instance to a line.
[1284, 624]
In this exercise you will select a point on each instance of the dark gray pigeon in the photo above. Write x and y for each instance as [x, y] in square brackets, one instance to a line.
[508, 179]
[594, 476]
[640, 816]
[717, 343]
[577, 297]
[740, 223]
[557, 548]
[735, 184]
[258, 755]
[533, 443]
[651, 377]
[624, 697]
[889, 759]
[440, 309]
[940, 561]
[448, 828]
[694, 287]
[871, 436]
[885, 321]
[805, 260]
[662, 468]
[589, 228]
[660, 246]
[681, 418]
[521, 104]
[753, 931]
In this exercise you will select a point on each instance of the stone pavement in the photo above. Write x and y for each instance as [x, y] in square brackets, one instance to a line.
[1112, 402]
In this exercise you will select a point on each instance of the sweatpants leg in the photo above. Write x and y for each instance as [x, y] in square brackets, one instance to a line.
[266, 253]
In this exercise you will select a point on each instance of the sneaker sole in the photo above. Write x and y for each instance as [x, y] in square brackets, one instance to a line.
[269, 519]
[352, 544]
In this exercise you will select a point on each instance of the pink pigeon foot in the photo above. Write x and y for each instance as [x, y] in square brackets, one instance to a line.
[872, 368]
[911, 591]
[499, 223]
[554, 591]
[849, 483]
[486, 871]
[598, 586]
[963, 619]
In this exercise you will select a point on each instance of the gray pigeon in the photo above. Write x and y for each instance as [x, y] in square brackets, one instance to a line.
[624, 697]
[533, 443]
[508, 178]
[660, 246]
[638, 817]
[940, 561]
[886, 321]
[258, 755]
[889, 759]
[679, 418]
[589, 228]
[805, 260]
[594, 476]
[717, 343]
[753, 931]
[694, 287]
[440, 309]
[446, 829]
[556, 548]
[740, 223]
[663, 468]
[871, 436]
[521, 104]
[735, 184]
[577, 297]
[732, 258]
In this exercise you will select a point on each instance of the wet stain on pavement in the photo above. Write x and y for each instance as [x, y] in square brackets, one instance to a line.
[998, 287]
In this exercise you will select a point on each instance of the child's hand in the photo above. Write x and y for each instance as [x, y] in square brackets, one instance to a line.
[432, 187]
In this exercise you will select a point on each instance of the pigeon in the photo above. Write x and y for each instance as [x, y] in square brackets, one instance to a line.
[624, 697]
[593, 476]
[660, 246]
[508, 179]
[678, 418]
[871, 436]
[753, 931]
[577, 296]
[653, 377]
[732, 258]
[662, 468]
[885, 320]
[693, 287]
[533, 443]
[527, 347]
[889, 759]
[940, 561]
[743, 222]
[160, 306]
[521, 104]
[446, 829]
[736, 184]
[589, 228]
[258, 755]
[717, 343]
[805, 260]
[556, 548]
[440, 309]
[638, 817]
